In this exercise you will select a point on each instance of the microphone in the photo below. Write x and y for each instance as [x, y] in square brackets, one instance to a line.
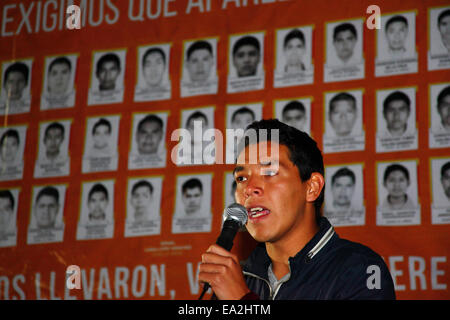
[235, 216]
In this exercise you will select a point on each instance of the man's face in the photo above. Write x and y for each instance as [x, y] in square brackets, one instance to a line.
[9, 149]
[14, 85]
[396, 35]
[274, 184]
[6, 213]
[344, 44]
[242, 120]
[396, 183]
[444, 111]
[53, 140]
[191, 125]
[101, 136]
[342, 190]
[148, 137]
[141, 198]
[192, 200]
[58, 79]
[199, 65]
[396, 115]
[154, 66]
[97, 204]
[107, 75]
[294, 118]
[46, 211]
[294, 51]
[444, 29]
[445, 180]
[343, 117]
[246, 60]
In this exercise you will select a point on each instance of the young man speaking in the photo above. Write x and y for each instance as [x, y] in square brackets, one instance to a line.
[300, 256]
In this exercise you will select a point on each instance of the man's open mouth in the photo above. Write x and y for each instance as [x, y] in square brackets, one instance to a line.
[257, 212]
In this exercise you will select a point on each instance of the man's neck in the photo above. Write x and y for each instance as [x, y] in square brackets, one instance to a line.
[281, 250]
[52, 155]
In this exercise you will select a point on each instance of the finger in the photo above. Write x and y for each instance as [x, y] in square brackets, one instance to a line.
[221, 251]
[213, 258]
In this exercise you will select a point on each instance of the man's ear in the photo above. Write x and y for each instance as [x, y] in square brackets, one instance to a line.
[314, 186]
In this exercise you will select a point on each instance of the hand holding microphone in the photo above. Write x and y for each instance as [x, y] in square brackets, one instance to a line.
[220, 269]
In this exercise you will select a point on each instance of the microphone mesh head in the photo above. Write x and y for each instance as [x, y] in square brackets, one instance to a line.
[236, 212]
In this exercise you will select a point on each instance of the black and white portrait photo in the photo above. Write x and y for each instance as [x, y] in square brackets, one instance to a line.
[148, 143]
[58, 90]
[47, 214]
[294, 112]
[15, 94]
[197, 137]
[199, 72]
[9, 201]
[439, 107]
[440, 190]
[344, 198]
[96, 219]
[193, 204]
[53, 154]
[293, 60]
[439, 38]
[344, 51]
[398, 201]
[238, 117]
[143, 206]
[396, 120]
[396, 45]
[153, 77]
[246, 62]
[100, 146]
[107, 77]
[12, 147]
[343, 121]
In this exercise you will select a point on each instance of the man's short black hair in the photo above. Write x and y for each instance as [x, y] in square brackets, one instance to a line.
[247, 40]
[294, 105]
[343, 172]
[16, 67]
[394, 96]
[395, 167]
[342, 96]
[142, 183]
[198, 45]
[444, 168]
[98, 187]
[197, 114]
[345, 27]
[60, 60]
[8, 195]
[101, 122]
[54, 125]
[393, 19]
[444, 93]
[153, 50]
[241, 111]
[303, 150]
[50, 192]
[150, 118]
[192, 184]
[294, 34]
[442, 15]
[109, 57]
[10, 133]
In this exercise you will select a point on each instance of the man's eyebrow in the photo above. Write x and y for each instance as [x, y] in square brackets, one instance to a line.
[238, 169]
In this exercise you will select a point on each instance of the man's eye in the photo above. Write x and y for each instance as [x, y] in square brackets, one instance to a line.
[240, 178]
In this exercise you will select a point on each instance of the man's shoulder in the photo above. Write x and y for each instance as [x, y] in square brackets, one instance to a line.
[354, 253]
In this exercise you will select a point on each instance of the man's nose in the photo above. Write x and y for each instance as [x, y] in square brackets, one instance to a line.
[254, 187]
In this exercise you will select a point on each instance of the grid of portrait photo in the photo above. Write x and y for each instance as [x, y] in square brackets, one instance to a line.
[119, 133]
